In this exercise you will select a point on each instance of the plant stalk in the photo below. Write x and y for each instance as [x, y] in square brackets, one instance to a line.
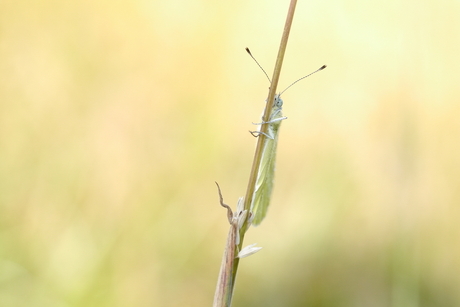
[229, 266]
[228, 272]
[268, 110]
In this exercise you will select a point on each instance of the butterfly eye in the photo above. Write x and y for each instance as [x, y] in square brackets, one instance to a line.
[278, 102]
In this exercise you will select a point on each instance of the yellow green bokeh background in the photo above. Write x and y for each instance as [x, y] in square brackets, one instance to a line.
[116, 118]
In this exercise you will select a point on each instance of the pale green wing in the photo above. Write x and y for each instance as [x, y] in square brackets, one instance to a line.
[264, 183]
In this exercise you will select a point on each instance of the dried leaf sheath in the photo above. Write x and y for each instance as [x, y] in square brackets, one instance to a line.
[225, 281]
[224, 288]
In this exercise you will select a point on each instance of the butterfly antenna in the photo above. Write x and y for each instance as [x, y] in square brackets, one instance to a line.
[321, 68]
[248, 51]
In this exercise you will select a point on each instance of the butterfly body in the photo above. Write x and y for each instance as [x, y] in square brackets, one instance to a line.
[265, 175]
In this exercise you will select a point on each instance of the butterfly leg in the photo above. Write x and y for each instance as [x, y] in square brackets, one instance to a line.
[257, 133]
[271, 121]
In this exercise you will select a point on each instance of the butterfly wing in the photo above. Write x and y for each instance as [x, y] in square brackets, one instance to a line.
[265, 176]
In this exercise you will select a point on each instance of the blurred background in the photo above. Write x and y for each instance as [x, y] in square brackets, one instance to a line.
[116, 118]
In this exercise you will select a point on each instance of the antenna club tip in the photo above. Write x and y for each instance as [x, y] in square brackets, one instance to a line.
[248, 51]
[322, 67]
